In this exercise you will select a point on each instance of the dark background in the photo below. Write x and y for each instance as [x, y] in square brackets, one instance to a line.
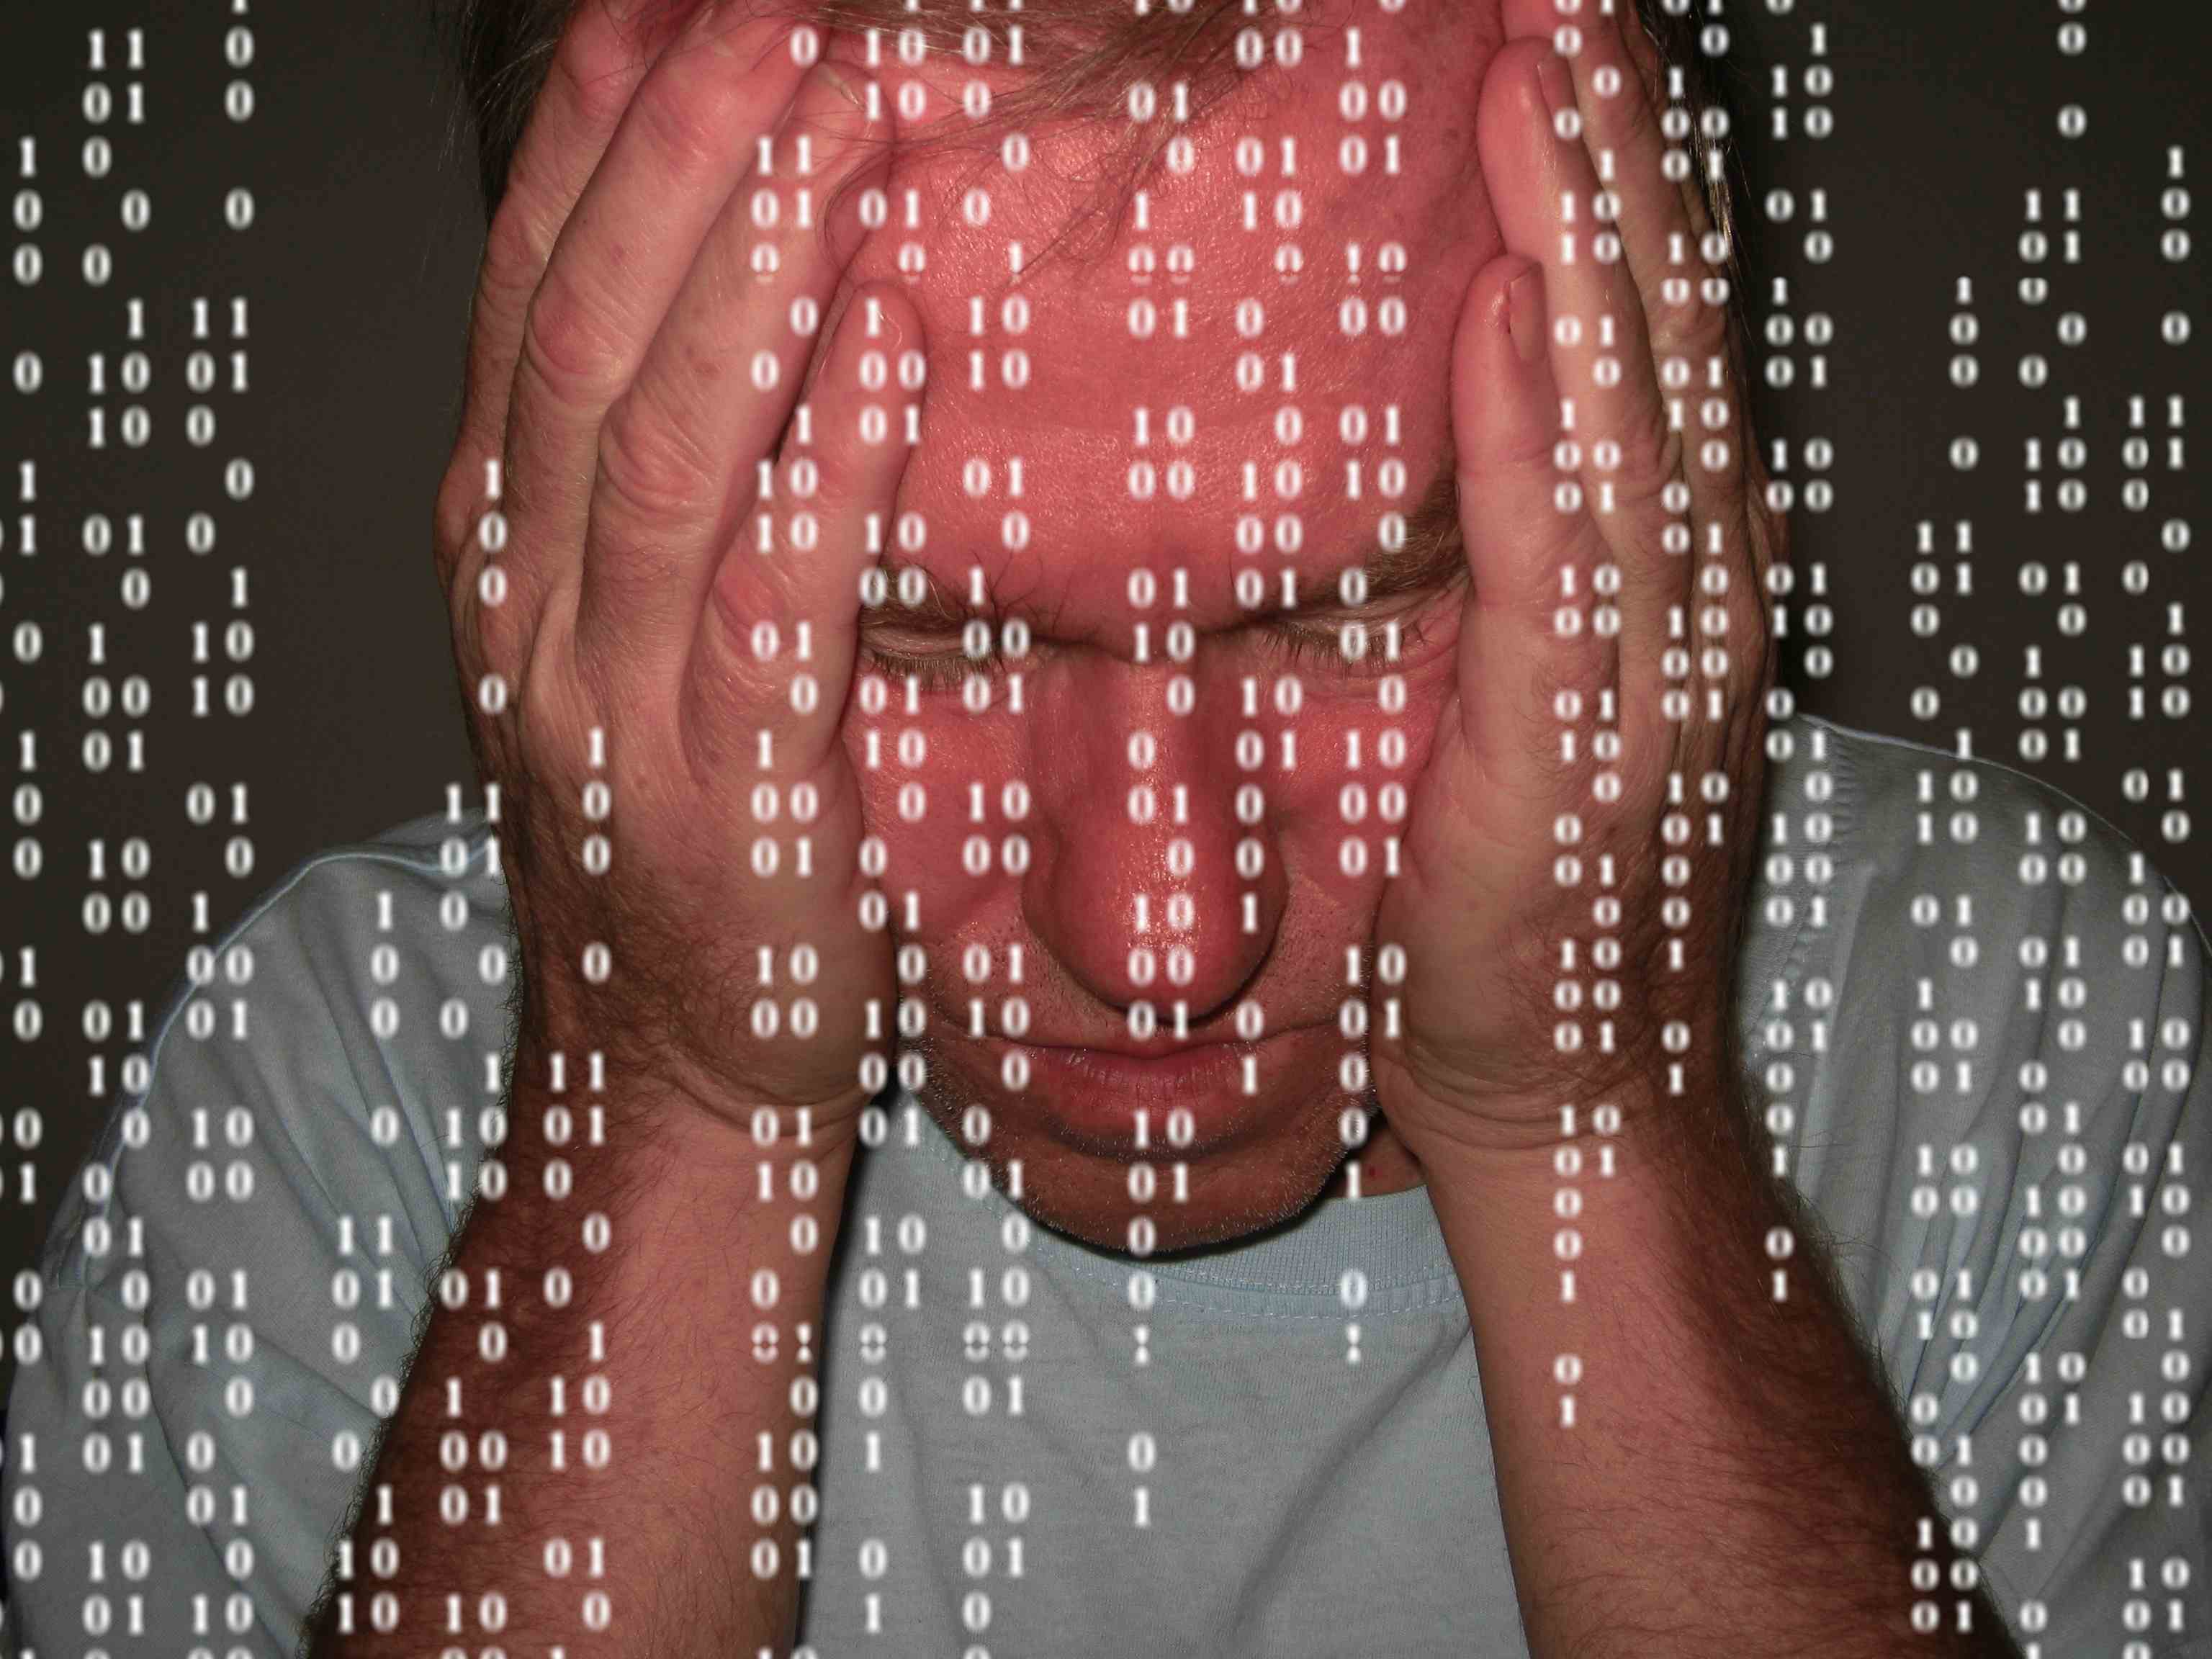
[356, 268]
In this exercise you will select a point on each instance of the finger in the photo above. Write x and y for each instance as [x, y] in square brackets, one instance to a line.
[678, 455]
[601, 57]
[741, 688]
[1620, 131]
[1621, 102]
[1652, 66]
[685, 141]
[1525, 634]
[1665, 227]
[1668, 235]
[1682, 275]
[1542, 188]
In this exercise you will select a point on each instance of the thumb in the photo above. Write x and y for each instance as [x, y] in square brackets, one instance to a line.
[1526, 633]
[1505, 423]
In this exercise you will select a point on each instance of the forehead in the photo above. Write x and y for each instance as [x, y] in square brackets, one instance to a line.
[1195, 353]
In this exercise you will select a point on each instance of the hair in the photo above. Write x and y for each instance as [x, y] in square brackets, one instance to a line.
[1082, 56]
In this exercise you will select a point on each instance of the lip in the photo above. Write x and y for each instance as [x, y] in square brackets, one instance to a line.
[1102, 1100]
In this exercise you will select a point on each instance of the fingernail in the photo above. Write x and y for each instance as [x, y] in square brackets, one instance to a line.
[1524, 312]
[1558, 86]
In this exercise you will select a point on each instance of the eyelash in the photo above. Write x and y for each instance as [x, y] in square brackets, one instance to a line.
[946, 670]
[1295, 646]
[938, 671]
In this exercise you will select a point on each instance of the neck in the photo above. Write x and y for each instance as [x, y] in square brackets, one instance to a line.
[1385, 1166]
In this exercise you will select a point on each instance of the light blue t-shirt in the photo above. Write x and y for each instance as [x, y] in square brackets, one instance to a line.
[1973, 1018]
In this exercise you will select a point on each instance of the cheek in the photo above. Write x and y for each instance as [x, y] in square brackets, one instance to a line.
[934, 789]
[1335, 814]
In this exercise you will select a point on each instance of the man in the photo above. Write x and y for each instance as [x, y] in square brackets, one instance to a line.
[946, 734]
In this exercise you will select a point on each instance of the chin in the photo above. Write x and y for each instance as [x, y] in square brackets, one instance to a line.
[1224, 1162]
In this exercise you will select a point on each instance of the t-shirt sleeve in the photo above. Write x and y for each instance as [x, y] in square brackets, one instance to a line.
[2022, 1024]
[2076, 1385]
[230, 1294]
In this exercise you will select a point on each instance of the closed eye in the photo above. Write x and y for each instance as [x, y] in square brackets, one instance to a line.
[937, 661]
[1369, 639]
[1366, 640]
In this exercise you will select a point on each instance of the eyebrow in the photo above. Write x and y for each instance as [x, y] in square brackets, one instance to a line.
[1431, 553]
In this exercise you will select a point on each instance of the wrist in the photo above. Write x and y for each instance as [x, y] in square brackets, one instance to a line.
[1680, 1210]
[663, 1221]
[1613, 1115]
[621, 1107]
[1525, 1142]
[645, 1193]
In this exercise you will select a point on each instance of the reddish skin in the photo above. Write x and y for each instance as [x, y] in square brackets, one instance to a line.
[1675, 1523]
[1071, 913]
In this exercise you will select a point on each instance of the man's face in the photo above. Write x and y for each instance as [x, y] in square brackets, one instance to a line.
[1176, 808]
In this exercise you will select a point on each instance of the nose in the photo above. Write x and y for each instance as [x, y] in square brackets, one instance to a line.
[1146, 884]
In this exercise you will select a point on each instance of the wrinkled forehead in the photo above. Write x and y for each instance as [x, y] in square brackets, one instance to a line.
[1231, 353]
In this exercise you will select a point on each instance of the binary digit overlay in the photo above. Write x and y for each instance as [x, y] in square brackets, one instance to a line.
[1251, 827]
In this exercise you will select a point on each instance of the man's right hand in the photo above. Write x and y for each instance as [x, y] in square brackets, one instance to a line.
[656, 690]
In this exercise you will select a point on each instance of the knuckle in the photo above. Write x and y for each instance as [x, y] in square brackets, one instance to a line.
[646, 462]
[1633, 121]
[1687, 326]
[691, 119]
[517, 246]
[589, 79]
[1650, 459]
[743, 679]
[454, 511]
[568, 342]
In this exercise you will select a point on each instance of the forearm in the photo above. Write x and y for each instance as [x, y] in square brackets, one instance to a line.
[1733, 1476]
[634, 1402]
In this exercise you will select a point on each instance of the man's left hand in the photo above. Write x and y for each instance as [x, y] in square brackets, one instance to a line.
[1583, 839]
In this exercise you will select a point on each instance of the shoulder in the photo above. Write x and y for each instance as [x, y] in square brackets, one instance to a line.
[325, 1029]
[281, 1146]
[1935, 862]
[1924, 811]
[2002, 1131]
[1989, 919]
[1985, 1017]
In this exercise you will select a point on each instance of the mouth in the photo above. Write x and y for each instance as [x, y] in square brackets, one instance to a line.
[1173, 1103]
